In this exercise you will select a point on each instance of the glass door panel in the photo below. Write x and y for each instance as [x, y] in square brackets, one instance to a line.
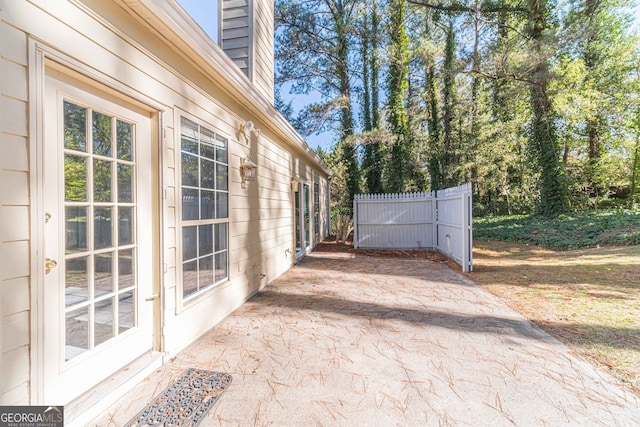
[296, 201]
[95, 172]
[307, 217]
[302, 213]
[97, 252]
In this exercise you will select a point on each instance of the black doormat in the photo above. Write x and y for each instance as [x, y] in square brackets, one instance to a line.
[185, 402]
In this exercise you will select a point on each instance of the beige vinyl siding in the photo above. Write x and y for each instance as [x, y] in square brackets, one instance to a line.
[236, 38]
[259, 208]
[15, 371]
[263, 76]
[13, 153]
[247, 38]
[120, 49]
[14, 218]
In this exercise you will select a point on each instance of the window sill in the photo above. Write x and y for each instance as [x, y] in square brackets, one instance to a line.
[184, 303]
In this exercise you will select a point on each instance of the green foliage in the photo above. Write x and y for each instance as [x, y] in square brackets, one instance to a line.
[398, 165]
[593, 95]
[372, 168]
[372, 161]
[372, 165]
[398, 63]
[553, 181]
[374, 61]
[313, 53]
[543, 138]
[336, 214]
[449, 101]
[434, 150]
[341, 199]
[536, 103]
[75, 178]
[588, 229]
[351, 174]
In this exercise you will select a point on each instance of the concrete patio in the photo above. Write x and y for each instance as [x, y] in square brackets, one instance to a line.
[352, 340]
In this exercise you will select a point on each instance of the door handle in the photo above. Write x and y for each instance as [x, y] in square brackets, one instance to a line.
[152, 297]
[50, 264]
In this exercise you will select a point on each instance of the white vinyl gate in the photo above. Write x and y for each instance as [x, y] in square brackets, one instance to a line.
[438, 220]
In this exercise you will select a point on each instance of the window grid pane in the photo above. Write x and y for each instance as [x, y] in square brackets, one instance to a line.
[99, 177]
[316, 209]
[204, 184]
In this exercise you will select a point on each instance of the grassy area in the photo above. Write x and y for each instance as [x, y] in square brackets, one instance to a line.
[589, 229]
[587, 298]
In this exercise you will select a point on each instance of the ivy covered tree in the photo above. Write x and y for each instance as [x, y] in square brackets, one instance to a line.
[543, 137]
[534, 102]
[372, 162]
[398, 164]
[313, 55]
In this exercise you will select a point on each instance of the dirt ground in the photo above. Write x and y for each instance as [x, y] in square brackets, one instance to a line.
[330, 245]
[589, 298]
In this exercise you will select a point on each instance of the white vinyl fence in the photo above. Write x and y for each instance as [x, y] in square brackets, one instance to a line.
[438, 220]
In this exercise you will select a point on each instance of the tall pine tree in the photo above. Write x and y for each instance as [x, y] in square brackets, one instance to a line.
[398, 165]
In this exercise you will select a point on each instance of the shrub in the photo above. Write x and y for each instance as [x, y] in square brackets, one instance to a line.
[572, 231]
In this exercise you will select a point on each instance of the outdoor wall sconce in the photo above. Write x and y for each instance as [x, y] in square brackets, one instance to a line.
[248, 170]
[294, 185]
[247, 128]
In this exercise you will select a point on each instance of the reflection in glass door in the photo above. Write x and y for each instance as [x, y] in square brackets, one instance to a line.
[302, 218]
[100, 212]
[296, 201]
[306, 216]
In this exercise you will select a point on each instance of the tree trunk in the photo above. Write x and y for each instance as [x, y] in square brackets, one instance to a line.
[433, 122]
[397, 86]
[448, 157]
[592, 59]
[634, 171]
[473, 143]
[366, 87]
[543, 139]
[375, 66]
[346, 118]
[371, 162]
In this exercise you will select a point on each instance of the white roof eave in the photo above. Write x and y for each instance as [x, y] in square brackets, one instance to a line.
[167, 18]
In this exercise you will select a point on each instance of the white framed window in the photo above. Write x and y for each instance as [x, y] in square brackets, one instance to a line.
[316, 210]
[204, 227]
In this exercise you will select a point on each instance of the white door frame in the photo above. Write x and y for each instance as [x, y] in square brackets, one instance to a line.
[39, 55]
[304, 244]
